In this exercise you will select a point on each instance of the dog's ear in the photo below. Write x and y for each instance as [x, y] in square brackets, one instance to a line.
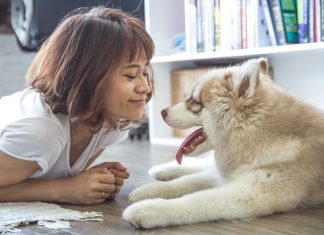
[248, 76]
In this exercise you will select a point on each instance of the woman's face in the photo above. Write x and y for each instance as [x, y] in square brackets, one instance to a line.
[127, 90]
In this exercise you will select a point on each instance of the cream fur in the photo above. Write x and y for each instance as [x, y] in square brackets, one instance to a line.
[268, 154]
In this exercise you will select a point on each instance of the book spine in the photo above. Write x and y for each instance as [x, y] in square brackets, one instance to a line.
[278, 21]
[193, 25]
[311, 21]
[317, 21]
[252, 23]
[225, 26]
[302, 19]
[235, 24]
[269, 22]
[211, 25]
[289, 16]
[244, 24]
[217, 25]
[322, 20]
[200, 33]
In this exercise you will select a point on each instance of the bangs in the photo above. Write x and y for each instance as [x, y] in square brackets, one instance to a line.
[135, 43]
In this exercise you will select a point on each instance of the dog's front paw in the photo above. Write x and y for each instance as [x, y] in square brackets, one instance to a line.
[169, 171]
[148, 191]
[148, 214]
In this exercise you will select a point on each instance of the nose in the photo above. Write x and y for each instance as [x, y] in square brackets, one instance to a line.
[144, 87]
[164, 113]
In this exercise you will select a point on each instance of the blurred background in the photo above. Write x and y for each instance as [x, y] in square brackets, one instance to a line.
[24, 24]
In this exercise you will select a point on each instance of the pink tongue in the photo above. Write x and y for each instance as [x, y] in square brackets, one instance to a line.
[186, 143]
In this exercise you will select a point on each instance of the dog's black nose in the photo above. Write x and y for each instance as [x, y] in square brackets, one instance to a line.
[164, 113]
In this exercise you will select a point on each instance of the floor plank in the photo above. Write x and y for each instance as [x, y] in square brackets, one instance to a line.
[139, 156]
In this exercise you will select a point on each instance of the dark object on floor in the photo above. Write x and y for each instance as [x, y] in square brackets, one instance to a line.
[34, 20]
[140, 131]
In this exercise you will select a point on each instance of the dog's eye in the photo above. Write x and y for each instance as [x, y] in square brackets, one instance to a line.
[195, 102]
[196, 106]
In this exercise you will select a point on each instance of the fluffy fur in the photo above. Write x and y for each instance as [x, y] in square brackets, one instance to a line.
[268, 154]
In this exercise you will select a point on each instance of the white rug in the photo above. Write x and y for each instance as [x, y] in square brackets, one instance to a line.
[49, 215]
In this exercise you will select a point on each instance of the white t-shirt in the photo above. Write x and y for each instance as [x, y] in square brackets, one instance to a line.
[29, 130]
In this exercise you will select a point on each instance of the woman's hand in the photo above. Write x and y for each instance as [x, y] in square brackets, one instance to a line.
[120, 173]
[90, 187]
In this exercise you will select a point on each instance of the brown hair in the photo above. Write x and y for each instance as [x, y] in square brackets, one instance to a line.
[73, 65]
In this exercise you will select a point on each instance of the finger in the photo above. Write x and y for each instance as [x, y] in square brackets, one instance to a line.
[117, 189]
[106, 188]
[104, 195]
[123, 175]
[102, 170]
[106, 178]
[99, 200]
[113, 196]
[114, 165]
[119, 181]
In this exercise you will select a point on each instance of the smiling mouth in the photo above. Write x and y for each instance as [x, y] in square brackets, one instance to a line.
[138, 102]
[190, 143]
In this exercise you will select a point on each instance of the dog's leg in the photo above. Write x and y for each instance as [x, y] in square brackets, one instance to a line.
[173, 170]
[177, 187]
[249, 196]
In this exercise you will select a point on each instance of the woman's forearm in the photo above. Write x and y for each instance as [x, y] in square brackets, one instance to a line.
[34, 190]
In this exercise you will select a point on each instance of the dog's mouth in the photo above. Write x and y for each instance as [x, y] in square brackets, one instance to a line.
[191, 143]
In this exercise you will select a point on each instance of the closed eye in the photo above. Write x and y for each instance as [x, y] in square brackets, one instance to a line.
[129, 77]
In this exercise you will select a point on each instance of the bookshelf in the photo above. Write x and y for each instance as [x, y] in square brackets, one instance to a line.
[298, 68]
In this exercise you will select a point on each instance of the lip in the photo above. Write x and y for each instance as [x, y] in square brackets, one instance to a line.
[139, 103]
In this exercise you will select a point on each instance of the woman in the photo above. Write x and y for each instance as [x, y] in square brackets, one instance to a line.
[88, 82]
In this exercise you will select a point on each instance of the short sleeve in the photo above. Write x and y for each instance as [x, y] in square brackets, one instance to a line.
[33, 139]
[112, 137]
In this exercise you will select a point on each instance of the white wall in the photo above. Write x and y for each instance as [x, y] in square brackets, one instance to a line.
[302, 74]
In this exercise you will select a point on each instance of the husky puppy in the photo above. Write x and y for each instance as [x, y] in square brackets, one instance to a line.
[268, 151]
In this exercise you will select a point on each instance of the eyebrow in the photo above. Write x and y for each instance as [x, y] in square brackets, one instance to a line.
[134, 66]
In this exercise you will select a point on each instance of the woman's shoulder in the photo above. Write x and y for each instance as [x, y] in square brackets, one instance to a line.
[29, 106]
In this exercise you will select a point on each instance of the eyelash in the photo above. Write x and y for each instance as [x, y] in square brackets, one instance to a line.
[130, 77]
[133, 77]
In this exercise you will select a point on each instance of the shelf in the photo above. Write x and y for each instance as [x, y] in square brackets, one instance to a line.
[243, 53]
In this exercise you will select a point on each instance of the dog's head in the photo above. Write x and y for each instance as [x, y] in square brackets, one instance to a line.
[221, 100]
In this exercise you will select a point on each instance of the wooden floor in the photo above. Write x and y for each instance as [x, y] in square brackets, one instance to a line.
[139, 157]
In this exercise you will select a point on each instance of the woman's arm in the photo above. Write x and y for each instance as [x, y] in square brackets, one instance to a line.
[89, 187]
[14, 170]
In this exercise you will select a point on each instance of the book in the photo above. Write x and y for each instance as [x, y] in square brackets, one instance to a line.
[225, 25]
[200, 32]
[217, 25]
[322, 20]
[268, 21]
[262, 31]
[317, 21]
[235, 24]
[191, 25]
[244, 24]
[311, 21]
[289, 16]
[278, 21]
[252, 23]
[302, 20]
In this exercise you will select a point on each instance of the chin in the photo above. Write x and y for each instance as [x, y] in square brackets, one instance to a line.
[135, 117]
